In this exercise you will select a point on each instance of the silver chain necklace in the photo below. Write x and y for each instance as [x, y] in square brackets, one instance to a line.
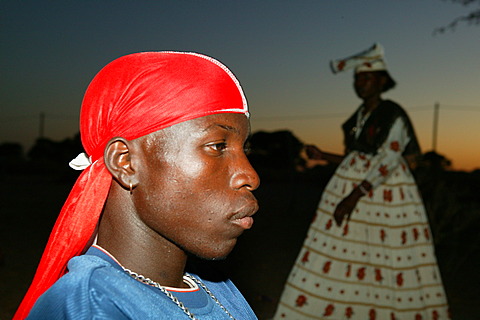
[180, 304]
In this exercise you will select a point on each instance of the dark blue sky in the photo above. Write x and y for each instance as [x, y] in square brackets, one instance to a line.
[279, 50]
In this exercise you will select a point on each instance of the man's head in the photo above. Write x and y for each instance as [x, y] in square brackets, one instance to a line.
[174, 104]
[132, 97]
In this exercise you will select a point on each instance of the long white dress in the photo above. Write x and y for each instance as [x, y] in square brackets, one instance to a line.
[381, 263]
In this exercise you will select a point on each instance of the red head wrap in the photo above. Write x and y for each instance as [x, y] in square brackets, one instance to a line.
[132, 96]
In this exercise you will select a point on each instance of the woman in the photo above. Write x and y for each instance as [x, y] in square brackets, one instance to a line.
[368, 253]
[165, 177]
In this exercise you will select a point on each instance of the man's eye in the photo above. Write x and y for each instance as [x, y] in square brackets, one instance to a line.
[218, 146]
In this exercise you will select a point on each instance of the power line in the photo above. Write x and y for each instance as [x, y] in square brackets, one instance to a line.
[302, 117]
[346, 114]
[462, 108]
[50, 116]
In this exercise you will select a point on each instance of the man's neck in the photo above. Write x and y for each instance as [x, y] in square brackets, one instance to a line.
[139, 248]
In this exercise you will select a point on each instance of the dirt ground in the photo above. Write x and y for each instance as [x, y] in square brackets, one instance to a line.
[259, 265]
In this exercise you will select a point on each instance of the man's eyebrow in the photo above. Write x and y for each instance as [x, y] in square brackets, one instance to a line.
[223, 126]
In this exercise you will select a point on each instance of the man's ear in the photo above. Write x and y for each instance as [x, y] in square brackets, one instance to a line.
[118, 160]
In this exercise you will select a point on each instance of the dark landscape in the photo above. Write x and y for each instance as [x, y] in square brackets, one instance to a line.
[34, 186]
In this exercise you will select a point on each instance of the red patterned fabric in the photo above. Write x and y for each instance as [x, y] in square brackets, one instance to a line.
[131, 97]
[381, 263]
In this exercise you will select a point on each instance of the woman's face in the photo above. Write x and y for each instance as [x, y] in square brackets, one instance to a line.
[196, 183]
[368, 84]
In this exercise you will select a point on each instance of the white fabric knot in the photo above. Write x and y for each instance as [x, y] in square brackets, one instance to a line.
[80, 162]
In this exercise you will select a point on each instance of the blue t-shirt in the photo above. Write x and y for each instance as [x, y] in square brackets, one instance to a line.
[96, 287]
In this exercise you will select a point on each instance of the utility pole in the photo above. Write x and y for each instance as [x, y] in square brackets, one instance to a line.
[436, 109]
[41, 126]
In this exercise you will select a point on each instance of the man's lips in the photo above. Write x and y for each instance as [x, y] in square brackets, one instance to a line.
[243, 217]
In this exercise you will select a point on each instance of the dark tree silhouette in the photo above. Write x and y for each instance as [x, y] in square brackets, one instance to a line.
[434, 161]
[11, 157]
[276, 150]
[47, 155]
[472, 18]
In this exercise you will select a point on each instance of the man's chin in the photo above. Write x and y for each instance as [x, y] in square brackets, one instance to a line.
[216, 256]
[213, 255]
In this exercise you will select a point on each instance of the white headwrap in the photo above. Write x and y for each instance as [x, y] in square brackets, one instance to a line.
[371, 59]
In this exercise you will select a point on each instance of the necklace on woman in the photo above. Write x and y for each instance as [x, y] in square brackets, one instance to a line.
[180, 304]
[361, 119]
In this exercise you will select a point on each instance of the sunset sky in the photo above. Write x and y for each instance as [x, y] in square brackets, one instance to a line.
[279, 50]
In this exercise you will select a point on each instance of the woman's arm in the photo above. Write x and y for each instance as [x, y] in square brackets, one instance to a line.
[315, 153]
[387, 159]
[389, 155]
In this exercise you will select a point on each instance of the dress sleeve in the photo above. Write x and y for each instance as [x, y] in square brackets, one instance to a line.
[389, 155]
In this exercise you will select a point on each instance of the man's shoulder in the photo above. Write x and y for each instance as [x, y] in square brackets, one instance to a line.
[79, 291]
[81, 271]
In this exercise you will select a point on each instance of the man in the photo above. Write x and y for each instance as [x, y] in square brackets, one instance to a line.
[166, 177]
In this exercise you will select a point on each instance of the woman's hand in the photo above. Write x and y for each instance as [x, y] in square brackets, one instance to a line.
[345, 208]
[313, 152]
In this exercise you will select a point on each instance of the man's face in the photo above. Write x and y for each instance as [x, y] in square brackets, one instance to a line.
[196, 184]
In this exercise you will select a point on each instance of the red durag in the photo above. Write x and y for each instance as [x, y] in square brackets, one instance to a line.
[132, 96]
